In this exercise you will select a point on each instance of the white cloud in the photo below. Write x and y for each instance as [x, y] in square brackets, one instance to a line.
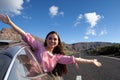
[77, 22]
[90, 31]
[103, 32]
[86, 37]
[92, 18]
[27, 17]
[61, 13]
[79, 17]
[54, 11]
[11, 6]
[28, 0]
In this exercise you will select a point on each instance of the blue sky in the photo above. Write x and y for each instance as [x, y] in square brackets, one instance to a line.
[74, 20]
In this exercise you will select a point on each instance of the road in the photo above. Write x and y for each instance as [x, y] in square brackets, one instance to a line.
[110, 69]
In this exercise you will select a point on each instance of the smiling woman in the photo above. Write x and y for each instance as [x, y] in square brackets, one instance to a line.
[49, 55]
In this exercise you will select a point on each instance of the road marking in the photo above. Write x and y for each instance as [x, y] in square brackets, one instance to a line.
[111, 57]
[79, 77]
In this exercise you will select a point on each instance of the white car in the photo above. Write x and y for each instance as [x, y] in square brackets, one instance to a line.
[17, 62]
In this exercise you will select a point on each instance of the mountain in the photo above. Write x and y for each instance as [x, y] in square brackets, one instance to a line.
[90, 45]
[11, 34]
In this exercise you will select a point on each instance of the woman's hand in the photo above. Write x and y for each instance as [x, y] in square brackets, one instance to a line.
[98, 64]
[5, 18]
[91, 61]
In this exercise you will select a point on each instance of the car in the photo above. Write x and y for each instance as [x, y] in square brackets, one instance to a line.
[17, 62]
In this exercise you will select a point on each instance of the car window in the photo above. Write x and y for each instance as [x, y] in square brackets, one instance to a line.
[26, 67]
[18, 70]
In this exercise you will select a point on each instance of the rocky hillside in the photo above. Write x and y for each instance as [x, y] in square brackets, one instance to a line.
[10, 34]
[90, 45]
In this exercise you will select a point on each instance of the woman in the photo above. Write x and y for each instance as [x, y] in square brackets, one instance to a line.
[50, 55]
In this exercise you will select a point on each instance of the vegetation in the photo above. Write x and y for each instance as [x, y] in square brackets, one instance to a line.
[113, 50]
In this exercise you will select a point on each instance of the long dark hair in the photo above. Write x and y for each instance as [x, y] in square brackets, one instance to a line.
[60, 68]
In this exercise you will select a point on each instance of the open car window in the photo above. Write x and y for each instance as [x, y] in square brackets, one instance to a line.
[26, 67]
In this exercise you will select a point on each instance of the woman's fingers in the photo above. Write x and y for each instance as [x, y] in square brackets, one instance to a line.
[4, 18]
[98, 64]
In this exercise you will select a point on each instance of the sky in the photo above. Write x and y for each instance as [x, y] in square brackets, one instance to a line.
[74, 20]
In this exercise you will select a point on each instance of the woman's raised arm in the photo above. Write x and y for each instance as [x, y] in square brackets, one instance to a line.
[93, 61]
[6, 19]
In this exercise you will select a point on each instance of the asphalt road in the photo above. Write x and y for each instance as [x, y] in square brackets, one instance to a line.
[110, 69]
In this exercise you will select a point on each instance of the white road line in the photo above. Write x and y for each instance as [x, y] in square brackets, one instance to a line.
[111, 57]
[78, 77]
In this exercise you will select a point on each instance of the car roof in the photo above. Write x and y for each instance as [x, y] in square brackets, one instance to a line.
[10, 47]
[7, 42]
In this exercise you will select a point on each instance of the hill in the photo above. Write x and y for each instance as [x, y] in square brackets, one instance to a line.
[10, 34]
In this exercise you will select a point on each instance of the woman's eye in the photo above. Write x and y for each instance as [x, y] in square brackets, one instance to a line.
[50, 38]
[55, 39]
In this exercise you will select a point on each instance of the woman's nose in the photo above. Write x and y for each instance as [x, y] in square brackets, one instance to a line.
[52, 40]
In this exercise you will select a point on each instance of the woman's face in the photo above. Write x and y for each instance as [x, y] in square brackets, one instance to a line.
[52, 41]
